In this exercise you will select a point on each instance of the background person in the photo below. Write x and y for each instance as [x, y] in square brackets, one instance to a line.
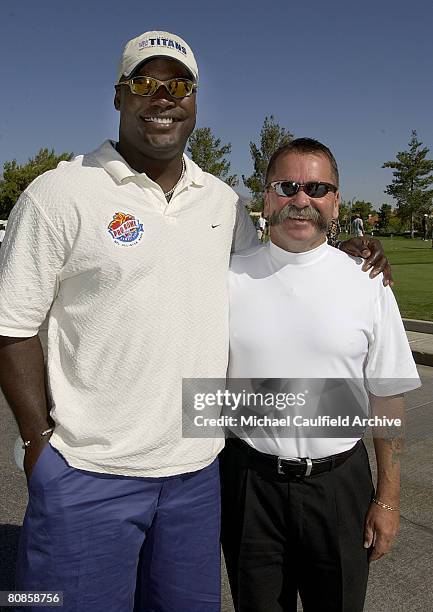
[261, 227]
[424, 223]
[358, 226]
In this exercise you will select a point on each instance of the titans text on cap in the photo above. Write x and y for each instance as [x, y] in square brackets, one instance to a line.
[164, 42]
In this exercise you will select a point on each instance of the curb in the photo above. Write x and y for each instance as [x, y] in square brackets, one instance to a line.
[421, 327]
[421, 357]
[425, 359]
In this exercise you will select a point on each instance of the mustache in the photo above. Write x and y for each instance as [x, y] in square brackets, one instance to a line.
[290, 211]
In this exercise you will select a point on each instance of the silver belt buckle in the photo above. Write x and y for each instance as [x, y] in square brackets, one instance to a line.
[309, 466]
[279, 464]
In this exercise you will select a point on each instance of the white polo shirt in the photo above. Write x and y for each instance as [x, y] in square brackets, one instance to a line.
[136, 290]
[320, 317]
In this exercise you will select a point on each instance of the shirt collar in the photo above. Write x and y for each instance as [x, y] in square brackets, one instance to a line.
[114, 164]
[298, 259]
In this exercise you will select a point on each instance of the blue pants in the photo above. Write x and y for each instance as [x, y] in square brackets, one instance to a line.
[106, 540]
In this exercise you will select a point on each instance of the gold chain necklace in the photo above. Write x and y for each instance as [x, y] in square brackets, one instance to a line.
[168, 194]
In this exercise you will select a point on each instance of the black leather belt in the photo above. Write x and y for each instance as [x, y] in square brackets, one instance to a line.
[299, 467]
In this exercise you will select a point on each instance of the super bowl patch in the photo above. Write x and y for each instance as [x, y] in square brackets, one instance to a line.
[125, 230]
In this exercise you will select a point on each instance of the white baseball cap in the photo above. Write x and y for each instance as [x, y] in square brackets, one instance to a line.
[156, 44]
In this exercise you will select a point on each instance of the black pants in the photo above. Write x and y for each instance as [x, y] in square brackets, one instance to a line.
[284, 536]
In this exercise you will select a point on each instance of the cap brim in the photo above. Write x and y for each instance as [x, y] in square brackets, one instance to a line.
[160, 56]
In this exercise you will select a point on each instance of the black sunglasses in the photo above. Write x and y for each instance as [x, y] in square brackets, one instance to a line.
[290, 188]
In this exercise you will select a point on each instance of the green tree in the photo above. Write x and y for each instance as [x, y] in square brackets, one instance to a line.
[16, 177]
[411, 185]
[209, 154]
[272, 136]
[384, 217]
[344, 215]
[363, 208]
[396, 225]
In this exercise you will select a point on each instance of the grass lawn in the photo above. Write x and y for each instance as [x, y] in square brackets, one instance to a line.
[412, 270]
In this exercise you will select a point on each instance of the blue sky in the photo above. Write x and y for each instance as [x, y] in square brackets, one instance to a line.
[356, 75]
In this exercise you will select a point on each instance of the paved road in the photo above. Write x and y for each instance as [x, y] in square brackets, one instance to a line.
[401, 582]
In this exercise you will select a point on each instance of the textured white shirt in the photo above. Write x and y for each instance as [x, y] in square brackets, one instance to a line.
[136, 290]
[320, 317]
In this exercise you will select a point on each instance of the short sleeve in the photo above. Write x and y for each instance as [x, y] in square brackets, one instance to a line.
[31, 258]
[244, 234]
[390, 368]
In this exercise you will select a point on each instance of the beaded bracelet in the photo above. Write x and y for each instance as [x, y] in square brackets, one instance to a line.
[386, 506]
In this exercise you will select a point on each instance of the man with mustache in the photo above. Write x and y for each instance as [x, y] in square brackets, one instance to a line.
[299, 513]
[130, 258]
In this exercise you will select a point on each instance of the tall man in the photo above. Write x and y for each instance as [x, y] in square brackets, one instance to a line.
[130, 258]
[298, 513]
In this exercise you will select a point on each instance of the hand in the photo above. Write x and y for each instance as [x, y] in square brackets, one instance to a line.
[381, 527]
[371, 250]
[32, 455]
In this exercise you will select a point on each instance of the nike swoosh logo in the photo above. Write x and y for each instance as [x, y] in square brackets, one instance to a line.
[214, 226]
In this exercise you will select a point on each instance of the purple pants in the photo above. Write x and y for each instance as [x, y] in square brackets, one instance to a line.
[107, 541]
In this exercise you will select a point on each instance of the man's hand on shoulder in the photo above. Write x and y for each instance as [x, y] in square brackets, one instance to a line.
[372, 251]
